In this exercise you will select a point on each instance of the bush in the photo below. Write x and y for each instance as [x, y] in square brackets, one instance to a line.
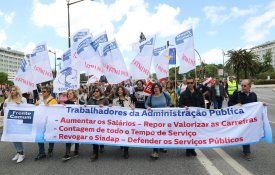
[265, 74]
[260, 82]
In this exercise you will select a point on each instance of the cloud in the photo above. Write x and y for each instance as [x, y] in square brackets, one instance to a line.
[258, 27]
[220, 14]
[212, 33]
[3, 36]
[121, 19]
[8, 18]
[213, 56]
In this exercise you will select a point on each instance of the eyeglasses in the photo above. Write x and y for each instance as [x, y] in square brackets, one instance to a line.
[44, 91]
[190, 82]
[96, 91]
[243, 85]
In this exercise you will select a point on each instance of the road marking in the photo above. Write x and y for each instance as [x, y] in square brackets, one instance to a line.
[233, 163]
[208, 165]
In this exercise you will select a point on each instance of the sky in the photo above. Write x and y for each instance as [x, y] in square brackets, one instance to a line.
[218, 25]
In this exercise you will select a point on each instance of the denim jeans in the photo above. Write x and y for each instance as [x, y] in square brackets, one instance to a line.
[217, 103]
[42, 148]
[246, 149]
[18, 146]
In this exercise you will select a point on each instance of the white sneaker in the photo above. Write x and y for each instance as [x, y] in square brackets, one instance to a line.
[15, 157]
[20, 158]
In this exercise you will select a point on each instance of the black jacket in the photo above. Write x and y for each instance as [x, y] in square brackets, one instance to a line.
[243, 98]
[195, 99]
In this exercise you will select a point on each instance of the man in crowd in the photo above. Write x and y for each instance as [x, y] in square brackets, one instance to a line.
[218, 94]
[191, 97]
[244, 96]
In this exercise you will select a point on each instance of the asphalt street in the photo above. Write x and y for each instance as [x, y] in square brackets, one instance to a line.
[226, 161]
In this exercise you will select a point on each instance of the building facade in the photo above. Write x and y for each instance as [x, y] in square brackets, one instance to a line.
[10, 60]
[260, 50]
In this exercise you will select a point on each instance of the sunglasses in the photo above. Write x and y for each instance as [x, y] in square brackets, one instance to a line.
[190, 82]
[96, 91]
[243, 85]
[44, 91]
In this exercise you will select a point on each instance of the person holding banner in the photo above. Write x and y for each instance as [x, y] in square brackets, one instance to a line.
[97, 99]
[46, 99]
[244, 96]
[72, 100]
[15, 96]
[191, 97]
[158, 99]
[139, 97]
[123, 100]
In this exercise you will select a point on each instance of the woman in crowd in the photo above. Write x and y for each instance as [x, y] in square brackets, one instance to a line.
[170, 87]
[158, 99]
[97, 98]
[139, 97]
[82, 95]
[72, 100]
[109, 93]
[62, 98]
[15, 96]
[46, 99]
[123, 100]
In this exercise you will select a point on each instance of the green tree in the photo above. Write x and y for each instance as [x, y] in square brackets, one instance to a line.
[242, 61]
[267, 59]
[172, 74]
[3, 78]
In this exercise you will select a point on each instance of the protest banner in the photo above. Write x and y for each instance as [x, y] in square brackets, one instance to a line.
[185, 51]
[91, 62]
[115, 68]
[141, 64]
[40, 64]
[156, 128]
[161, 62]
[23, 78]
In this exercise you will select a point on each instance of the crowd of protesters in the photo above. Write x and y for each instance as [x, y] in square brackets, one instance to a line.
[188, 93]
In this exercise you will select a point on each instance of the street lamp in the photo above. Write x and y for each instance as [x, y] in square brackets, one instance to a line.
[223, 63]
[54, 52]
[199, 57]
[69, 27]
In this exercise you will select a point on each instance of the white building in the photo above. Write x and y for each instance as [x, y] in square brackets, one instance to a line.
[260, 50]
[10, 60]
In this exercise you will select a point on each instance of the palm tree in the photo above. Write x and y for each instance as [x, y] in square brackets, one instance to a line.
[242, 60]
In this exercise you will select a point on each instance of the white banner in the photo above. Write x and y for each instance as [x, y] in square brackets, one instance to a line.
[91, 62]
[24, 79]
[115, 68]
[161, 62]
[66, 79]
[157, 128]
[40, 64]
[185, 51]
[141, 64]
[92, 80]
[66, 59]
[75, 39]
